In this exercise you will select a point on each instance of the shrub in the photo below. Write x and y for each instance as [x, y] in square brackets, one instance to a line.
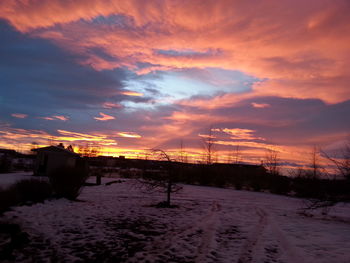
[8, 198]
[238, 185]
[130, 173]
[5, 164]
[307, 187]
[68, 182]
[28, 190]
[280, 185]
[33, 190]
[256, 185]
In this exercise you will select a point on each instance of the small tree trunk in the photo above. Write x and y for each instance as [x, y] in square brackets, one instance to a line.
[168, 193]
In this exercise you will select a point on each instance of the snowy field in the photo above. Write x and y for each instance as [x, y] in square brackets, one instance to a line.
[117, 223]
[10, 178]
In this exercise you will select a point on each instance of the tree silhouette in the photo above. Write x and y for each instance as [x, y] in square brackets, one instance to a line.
[271, 162]
[333, 191]
[164, 181]
[341, 160]
[209, 149]
[88, 150]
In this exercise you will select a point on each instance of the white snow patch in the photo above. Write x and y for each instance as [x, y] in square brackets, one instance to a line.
[10, 178]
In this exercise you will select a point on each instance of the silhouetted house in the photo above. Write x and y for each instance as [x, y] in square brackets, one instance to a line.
[50, 158]
[7, 152]
[6, 160]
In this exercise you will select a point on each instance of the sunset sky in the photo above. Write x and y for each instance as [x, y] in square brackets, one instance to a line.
[133, 75]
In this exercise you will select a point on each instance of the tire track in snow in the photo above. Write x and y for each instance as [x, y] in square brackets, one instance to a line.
[290, 251]
[267, 225]
[209, 227]
[249, 246]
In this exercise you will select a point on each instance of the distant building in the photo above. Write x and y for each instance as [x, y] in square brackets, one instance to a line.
[10, 161]
[6, 160]
[48, 159]
[107, 161]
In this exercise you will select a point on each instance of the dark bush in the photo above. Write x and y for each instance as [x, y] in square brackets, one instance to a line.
[238, 185]
[68, 182]
[256, 185]
[8, 198]
[33, 190]
[5, 164]
[130, 173]
[307, 187]
[28, 190]
[279, 185]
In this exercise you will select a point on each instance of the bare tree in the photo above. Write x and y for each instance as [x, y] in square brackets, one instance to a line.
[183, 158]
[164, 181]
[313, 170]
[51, 141]
[88, 150]
[146, 155]
[237, 155]
[70, 148]
[209, 149]
[333, 191]
[271, 162]
[341, 160]
[315, 163]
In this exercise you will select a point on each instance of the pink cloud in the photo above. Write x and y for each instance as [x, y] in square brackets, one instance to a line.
[61, 117]
[104, 117]
[260, 105]
[293, 44]
[241, 134]
[111, 105]
[300, 49]
[46, 118]
[101, 139]
[55, 117]
[19, 115]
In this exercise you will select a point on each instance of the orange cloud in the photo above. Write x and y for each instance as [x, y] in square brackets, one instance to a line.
[260, 105]
[104, 117]
[8, 133]
[131, 93]
[111, 105]
[251, 144]
[206, 136]
[241, 134]
[19, 115]
[24, 140]
[250, 151]
[47, 118]
[181, 117]
[82, 137]
[55, 117]
[129, 135]
[61, 117]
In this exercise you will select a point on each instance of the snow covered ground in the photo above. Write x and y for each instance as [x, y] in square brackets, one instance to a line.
[118, 223]
[10, 178]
